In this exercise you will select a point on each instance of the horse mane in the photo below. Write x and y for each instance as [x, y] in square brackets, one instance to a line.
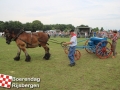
[15, 30]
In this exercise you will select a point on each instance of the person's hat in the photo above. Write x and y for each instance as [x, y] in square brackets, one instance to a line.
[71, 30]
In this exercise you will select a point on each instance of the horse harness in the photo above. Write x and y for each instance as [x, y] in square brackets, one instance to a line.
[35, 34]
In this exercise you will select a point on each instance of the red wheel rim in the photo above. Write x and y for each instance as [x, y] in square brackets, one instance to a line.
[77, 55]
[104, 49]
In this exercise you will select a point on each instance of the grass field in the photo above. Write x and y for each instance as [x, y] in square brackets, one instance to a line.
[90, 72]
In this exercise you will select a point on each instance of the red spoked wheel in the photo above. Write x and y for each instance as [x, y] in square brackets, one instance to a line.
[77, 55]
[104, 49]
[66, 50]
[88, 48]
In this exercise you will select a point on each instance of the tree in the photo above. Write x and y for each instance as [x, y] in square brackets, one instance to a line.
[1, 26]
[95, 29]
[47, 27]
[84, 25]
[63, 27]
[28, 26]
[13, 24]
[70, 26]
[101, 29]
[36, 25]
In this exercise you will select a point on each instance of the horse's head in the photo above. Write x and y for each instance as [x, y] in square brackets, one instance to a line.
[8, 36]
[12, 34]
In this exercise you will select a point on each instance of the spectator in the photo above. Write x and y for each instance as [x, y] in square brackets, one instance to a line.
[114, 43]
[91, 33]
[94, 34]
[86, 34]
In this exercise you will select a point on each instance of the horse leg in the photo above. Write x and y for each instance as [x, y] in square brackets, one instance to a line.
[47, 54]
[17, 58]
[26, 54]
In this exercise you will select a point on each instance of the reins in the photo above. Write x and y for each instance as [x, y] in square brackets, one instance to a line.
[61, 43]
[43, 41]
[54, 41]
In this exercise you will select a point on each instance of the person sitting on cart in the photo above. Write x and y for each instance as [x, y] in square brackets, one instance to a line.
[114, 43]
[72, 46]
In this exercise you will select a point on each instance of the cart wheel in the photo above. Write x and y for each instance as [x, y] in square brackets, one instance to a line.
[65, 47]
[88, 48]
[104, 49]
[66, 50]
[62, 44]
[77, 55]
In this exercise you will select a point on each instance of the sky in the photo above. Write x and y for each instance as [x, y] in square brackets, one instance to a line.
[94, 13]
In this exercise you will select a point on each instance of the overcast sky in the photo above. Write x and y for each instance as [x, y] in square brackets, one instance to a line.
[94, 13]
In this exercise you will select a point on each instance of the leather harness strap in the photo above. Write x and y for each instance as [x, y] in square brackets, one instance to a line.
[17, 37]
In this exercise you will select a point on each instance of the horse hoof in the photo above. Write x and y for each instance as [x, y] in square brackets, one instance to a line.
[46, 59]
[28, 58]
[17, 58]
[47, 56]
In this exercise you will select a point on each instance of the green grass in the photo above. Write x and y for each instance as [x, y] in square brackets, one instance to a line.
[90, 72]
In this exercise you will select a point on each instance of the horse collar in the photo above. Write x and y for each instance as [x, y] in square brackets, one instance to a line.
[14, 39]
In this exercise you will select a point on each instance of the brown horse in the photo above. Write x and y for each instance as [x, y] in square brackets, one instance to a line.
[27, 40]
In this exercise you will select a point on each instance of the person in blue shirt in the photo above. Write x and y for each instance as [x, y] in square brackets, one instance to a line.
[72, 46]
[94, 34]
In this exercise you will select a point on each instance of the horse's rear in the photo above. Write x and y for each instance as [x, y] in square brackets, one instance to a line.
[43, 38]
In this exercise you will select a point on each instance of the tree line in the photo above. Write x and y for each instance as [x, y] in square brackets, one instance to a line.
[34, 26]
[38, 25]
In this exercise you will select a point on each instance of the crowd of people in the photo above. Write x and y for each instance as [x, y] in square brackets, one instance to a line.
[59, 34]
[101, 34]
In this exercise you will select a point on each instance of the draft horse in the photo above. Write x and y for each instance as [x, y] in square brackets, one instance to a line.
[27, 40]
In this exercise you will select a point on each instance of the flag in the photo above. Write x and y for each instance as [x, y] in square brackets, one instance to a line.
[5, 80]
